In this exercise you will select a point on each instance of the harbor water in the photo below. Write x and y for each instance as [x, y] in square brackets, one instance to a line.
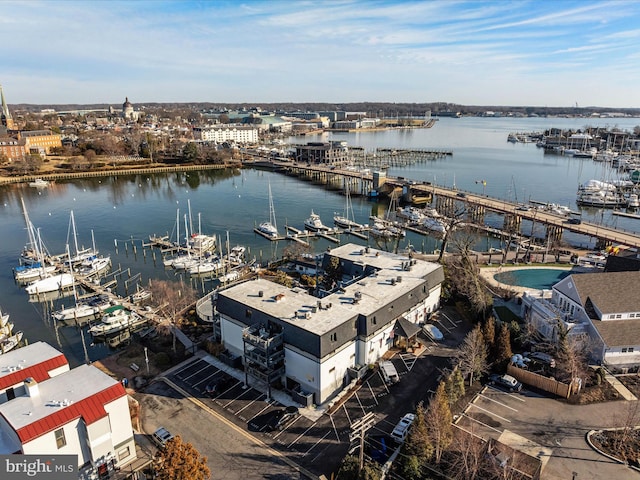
[122, 212]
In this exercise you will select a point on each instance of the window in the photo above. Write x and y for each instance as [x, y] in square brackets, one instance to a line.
[332, 369]
[11, 394]
[374, 321]
[124, 453]
[248, 313]
[334, 337]
[630, 350]
[619, 315]
[60, 440]
[632, 315]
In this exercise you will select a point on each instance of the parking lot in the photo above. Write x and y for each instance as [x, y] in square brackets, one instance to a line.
[315, 440]
[547, 428]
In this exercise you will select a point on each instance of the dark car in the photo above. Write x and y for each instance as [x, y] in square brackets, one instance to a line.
[506, 382]
[282, 417]
[574, 221]
[218, 386]
[461, 194]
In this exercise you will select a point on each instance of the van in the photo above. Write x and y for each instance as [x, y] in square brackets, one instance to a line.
[401, 430]
[389, 373]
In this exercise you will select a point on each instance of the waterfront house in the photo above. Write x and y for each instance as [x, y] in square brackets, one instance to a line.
[310, 344]
[603, 306]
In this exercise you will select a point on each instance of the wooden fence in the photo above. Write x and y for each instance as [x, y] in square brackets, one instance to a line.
[540, 381]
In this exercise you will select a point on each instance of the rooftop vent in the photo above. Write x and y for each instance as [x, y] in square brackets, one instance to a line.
[261, 293]
[31, 386]
[398, 279]
[307, 315]
[393, 281]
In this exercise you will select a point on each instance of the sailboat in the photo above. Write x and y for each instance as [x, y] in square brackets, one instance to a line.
[270, 228]
[80, 254]
[52, 283]
[347, 219]
[32, 266]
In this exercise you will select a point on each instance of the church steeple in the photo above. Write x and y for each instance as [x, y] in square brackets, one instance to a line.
[5, 115]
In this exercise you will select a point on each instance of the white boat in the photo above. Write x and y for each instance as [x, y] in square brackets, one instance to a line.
[140, 295]
[61, 281]
[84, 311]
[39, 183]
[632, 199]
[32, 272]
[81, 254]
[229, 277]
[202, 243]
[209, 265]
[116, 319]
[10, 342]
[412, 214]
[346, 220]
[434, 224]
[270, 228]
[33, 265]
[595, 193]
[4, 318]
[236, 255]
[314, 223]
[94, 266]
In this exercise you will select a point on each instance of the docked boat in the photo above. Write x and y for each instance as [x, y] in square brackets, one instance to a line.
[94, 265]
[346, 220]
[116, 319]
[84, 310]
[202, 243]
[434, 225]
[39, 183]
[595, 193]
[54, 283]
[632, 200]
[209, 265]
[269, 228]
[10, 342]
[31, 272]
[140, 295]
[314, 223]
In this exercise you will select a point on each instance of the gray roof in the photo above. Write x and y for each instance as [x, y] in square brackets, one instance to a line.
[619, 333]
[611, 292]
[27, 356]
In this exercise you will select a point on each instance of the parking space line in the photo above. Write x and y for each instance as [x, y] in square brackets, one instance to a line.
[334, 427]
[490, 412]
[283, 430]
[346, 413]
[257, 414]
[185, 367]
[227, 390]
[206, 379]
[510, 394]
[442, 325]
[243, 392]
[496, 401]
[192, 375]
[360, 403]
[451, 321]
[372, 394]
[319, 440]
[251, 403]
[302, 434]
[383, 383]
[481, 423]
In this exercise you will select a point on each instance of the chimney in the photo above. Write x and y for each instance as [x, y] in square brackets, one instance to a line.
[31, 387]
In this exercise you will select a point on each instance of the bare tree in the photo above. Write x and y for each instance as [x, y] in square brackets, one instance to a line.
[438, 422]
[451, 223]
[472, 355]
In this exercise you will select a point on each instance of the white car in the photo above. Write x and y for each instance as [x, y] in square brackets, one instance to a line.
[432, 332]
[401, 430]
[161, 436]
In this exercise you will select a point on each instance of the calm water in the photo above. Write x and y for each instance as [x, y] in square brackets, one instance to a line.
[126, 210]
[537, 278]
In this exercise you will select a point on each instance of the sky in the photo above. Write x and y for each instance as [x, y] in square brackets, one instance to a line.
[538, 52]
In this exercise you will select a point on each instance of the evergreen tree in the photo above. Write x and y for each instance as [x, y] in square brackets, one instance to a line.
[489, 332]
[503, 345]
[438, 422]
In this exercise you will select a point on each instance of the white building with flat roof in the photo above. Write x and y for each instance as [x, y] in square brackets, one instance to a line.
[310, 343]
[226, 133]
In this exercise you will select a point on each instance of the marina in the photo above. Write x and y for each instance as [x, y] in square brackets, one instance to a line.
[123, 210]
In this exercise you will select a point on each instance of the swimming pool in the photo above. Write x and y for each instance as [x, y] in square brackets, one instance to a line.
[537, 278]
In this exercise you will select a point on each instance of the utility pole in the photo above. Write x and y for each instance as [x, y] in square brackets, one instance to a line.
[358, 431]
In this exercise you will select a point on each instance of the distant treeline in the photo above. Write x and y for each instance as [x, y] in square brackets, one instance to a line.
[373, 109]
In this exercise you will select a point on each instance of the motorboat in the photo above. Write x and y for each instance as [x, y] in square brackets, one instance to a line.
[116, 319]
[84, 311]
[209, 265]
[140, 295]
[412, 214]
[39, 183]
[314, 223]
[632, 199]
[237, 255]
[599, 194]
[53, 283]
[434, 224]
[10, 342]
[94, 265]
[202, 243]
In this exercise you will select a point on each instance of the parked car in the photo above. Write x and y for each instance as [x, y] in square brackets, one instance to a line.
[161, 436]
[505, 381]
[432, 332]
[389, 372]
[461, 194]
[574, 221]
[218, 386]
[541, 357]
[282, 417]
[401, 430]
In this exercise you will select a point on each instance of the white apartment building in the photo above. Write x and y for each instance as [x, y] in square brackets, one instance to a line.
[226, 133]
[309, 344]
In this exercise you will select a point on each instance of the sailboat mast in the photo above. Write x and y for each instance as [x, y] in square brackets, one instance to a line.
[75, 236]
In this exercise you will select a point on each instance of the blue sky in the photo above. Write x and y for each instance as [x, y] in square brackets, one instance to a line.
[539, 52]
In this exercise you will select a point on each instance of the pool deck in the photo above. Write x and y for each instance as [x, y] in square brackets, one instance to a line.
[488, 272]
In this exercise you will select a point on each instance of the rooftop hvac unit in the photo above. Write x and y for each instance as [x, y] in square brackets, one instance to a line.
[393, 281]
[307, 315]
[398, 279]
[261, 293]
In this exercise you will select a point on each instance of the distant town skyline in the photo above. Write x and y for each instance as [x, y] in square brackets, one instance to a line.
[537, 53]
